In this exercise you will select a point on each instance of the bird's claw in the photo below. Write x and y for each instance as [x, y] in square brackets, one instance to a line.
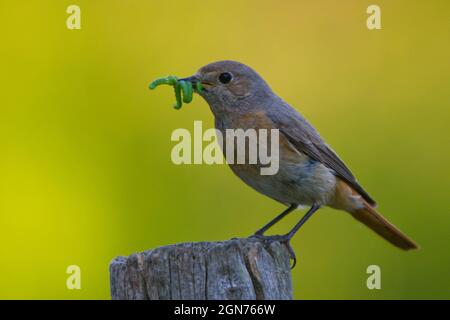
[285, 239]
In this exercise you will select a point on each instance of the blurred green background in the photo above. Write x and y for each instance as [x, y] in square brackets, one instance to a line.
[85, 169]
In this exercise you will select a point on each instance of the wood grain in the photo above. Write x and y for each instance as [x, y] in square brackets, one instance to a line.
[237, 269]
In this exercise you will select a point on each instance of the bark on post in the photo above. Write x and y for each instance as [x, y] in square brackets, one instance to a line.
[242, 269]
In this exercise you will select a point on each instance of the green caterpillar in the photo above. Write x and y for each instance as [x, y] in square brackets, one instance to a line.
[183, 89]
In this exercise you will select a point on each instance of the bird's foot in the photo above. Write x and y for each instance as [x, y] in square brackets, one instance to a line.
[284, 239]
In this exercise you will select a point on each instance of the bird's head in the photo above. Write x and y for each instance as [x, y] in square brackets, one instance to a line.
[227, 85]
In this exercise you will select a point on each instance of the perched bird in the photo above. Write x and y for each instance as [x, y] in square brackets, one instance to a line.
[310, 172]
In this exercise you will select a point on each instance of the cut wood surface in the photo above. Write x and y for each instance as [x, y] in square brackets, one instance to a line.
[237, 269]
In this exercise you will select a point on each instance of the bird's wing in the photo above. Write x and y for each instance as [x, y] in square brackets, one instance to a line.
[306, 140]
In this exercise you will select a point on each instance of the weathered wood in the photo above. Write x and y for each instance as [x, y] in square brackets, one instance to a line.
[242, 269]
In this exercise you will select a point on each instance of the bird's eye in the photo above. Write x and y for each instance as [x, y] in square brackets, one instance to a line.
[225, 77]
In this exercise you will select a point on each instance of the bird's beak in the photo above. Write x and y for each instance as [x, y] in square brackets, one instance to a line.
[194, 80]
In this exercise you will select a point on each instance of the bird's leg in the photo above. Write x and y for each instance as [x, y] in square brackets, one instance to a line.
[261, 231]
[294, 230]
[288, 236]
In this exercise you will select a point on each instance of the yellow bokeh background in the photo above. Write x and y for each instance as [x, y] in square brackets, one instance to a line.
[85, 169]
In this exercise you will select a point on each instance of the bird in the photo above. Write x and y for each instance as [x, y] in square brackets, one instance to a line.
[310, 172]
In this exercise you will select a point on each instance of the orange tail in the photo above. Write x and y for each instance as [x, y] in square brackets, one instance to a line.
[375, 221]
